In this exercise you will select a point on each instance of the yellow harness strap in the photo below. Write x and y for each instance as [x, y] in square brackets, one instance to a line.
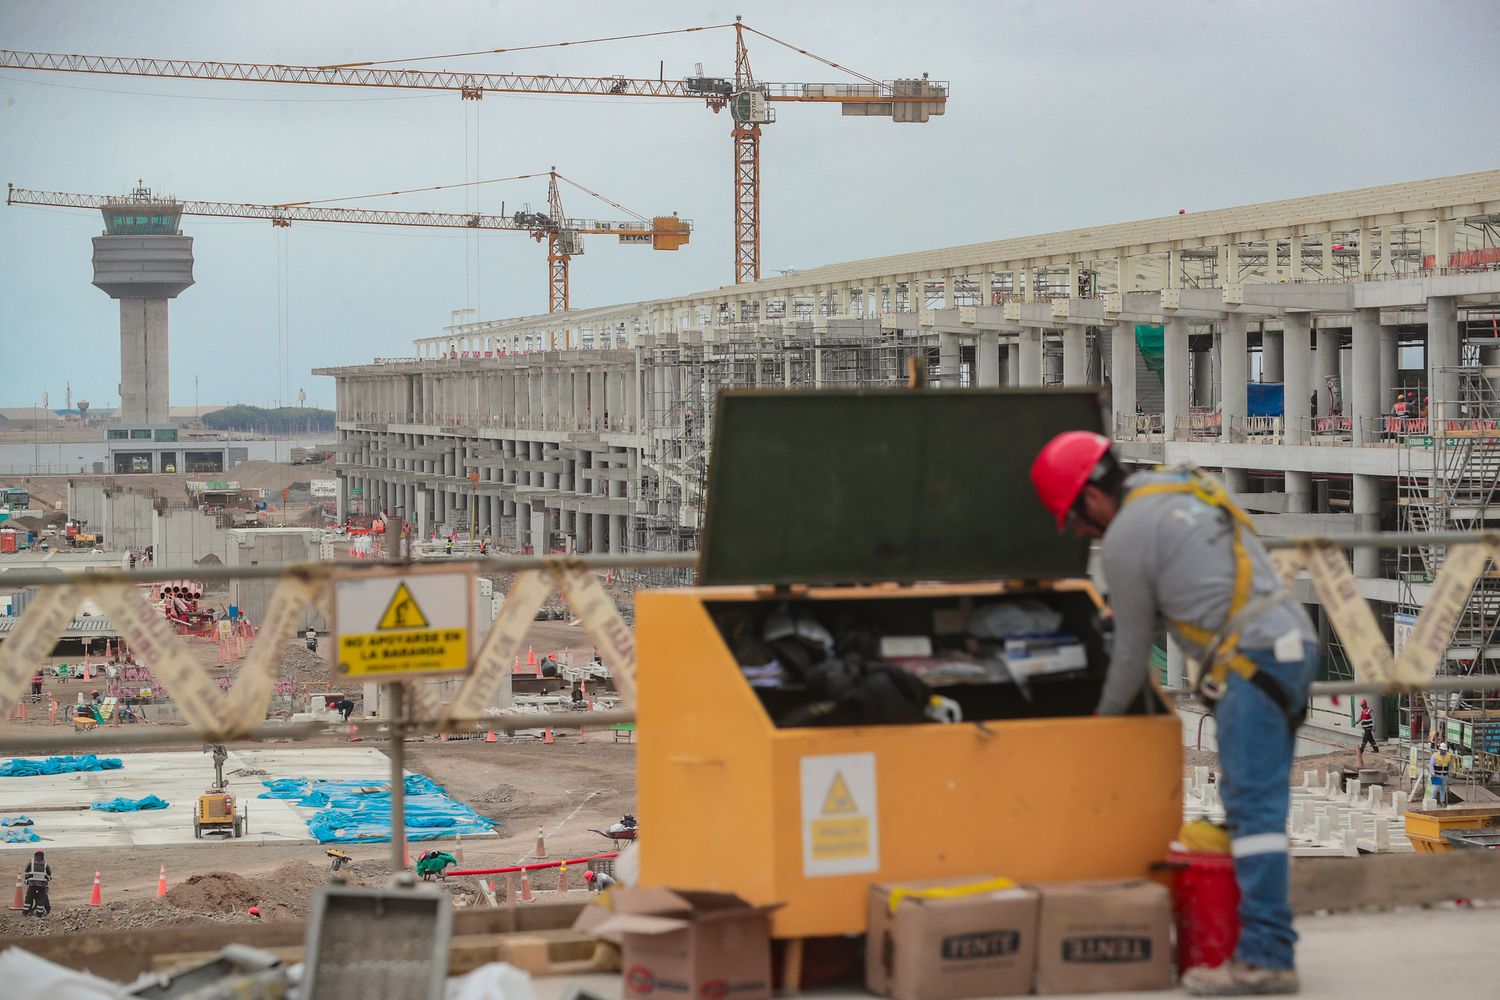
[948, 891]
[1226, 656]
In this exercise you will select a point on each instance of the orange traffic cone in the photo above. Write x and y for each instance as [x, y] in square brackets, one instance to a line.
[20, 900]
[541, 845]
[161, 882]
[547, 737]
[96, 898]
[458, 847]
[525, 887]
[353, 737]
[516, 668]
[562, 877]
[489, 734]
[530, 655]
[21, 710]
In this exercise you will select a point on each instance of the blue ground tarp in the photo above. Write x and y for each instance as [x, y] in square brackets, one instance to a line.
[123, 805]
[353, 812]
[15, 821]
[20, 767]
[18, 835]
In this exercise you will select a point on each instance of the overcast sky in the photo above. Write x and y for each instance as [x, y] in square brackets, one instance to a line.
[1062, 115]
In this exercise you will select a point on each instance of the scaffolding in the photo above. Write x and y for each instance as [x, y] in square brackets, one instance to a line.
[1449, 480]
[685, 373]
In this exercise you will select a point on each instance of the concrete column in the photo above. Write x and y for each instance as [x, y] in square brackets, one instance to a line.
[616, 533]
[1299, 493]
[1366, 508]
[1236, 480]
[1389, 367]
[1177, 675]
[987, 357]
[1235, 372]
[1075, 355]
[1328, 366]
[1297, 386]
[1364, 393]
[599, 535]
[1272, 356]
[1031, 357]
[1122, 373]
[1294, 271]
[1442, 352]
[1204, 364]
[1013, 363]
[539, 533]
[949, 359]
[1175, 371]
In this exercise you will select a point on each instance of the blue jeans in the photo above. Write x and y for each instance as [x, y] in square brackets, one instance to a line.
[1255, 764]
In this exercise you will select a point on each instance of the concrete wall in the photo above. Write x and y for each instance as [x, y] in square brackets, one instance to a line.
[270, 547]
[183, 537]
[129, 520]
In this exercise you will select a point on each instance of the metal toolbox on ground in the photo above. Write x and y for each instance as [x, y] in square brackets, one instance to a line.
[855, 540]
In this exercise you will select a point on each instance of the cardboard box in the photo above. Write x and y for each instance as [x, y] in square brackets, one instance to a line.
[1104, 936]
[680, 944]
[950, 945]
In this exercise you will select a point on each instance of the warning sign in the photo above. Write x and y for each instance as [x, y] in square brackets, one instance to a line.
[405, 623]
[840, 816]
[402, 612]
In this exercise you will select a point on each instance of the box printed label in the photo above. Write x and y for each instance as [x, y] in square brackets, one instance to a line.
[840, 815]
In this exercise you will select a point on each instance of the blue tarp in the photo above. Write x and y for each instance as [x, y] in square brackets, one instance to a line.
[122, 805]
[15, 821]
[360, 811]
[19, 835]
[1265, 399]
[20, 767]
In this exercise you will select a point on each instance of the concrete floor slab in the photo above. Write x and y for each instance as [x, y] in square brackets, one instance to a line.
[60, 804]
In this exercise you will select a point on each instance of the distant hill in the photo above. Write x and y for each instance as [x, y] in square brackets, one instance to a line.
[282, 420]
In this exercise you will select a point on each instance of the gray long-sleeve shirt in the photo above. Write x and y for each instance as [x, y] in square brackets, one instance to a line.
[1171, 556]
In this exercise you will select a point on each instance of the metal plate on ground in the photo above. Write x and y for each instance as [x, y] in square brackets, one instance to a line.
[405, 622]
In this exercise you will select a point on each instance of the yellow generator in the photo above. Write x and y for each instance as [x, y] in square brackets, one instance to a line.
[216, 814]
[889, 667]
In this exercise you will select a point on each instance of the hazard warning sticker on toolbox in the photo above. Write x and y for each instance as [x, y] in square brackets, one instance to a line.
[405, 623]
[840, 815]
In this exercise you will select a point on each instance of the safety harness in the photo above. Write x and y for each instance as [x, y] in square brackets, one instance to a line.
[1221, 654]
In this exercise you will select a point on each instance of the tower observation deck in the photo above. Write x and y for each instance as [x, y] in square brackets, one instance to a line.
[142, 260]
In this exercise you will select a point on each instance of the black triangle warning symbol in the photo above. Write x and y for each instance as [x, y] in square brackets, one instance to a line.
[402, 612]
[838, 800]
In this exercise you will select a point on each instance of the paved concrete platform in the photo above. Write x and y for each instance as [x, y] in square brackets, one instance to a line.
[1408, 953]
[60, 804]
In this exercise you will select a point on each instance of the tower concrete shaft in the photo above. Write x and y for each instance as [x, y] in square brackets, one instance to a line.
[142, 260]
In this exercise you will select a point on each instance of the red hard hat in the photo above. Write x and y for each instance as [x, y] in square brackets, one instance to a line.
[254, 911]
[589, 876]
[1063, 467]
[1364, 703]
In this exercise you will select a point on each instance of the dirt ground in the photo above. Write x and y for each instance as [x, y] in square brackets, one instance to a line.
[563, 789]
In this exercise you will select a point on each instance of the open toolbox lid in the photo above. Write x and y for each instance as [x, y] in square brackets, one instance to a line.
[864, 486]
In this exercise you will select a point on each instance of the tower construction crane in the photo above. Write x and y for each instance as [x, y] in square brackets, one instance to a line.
[750, 101]
[564, 234]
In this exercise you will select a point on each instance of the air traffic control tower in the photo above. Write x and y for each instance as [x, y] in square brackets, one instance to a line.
[143, 260]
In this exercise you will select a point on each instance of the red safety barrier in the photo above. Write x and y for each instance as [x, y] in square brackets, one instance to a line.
[532, 867]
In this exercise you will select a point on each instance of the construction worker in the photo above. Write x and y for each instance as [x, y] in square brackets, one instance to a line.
[597, 881]
[38, 876]
[312, 639]
[1367, 727]
[1175, 547]
[1438, 767]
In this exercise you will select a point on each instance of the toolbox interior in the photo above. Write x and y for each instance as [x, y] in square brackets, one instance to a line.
[857, 623]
